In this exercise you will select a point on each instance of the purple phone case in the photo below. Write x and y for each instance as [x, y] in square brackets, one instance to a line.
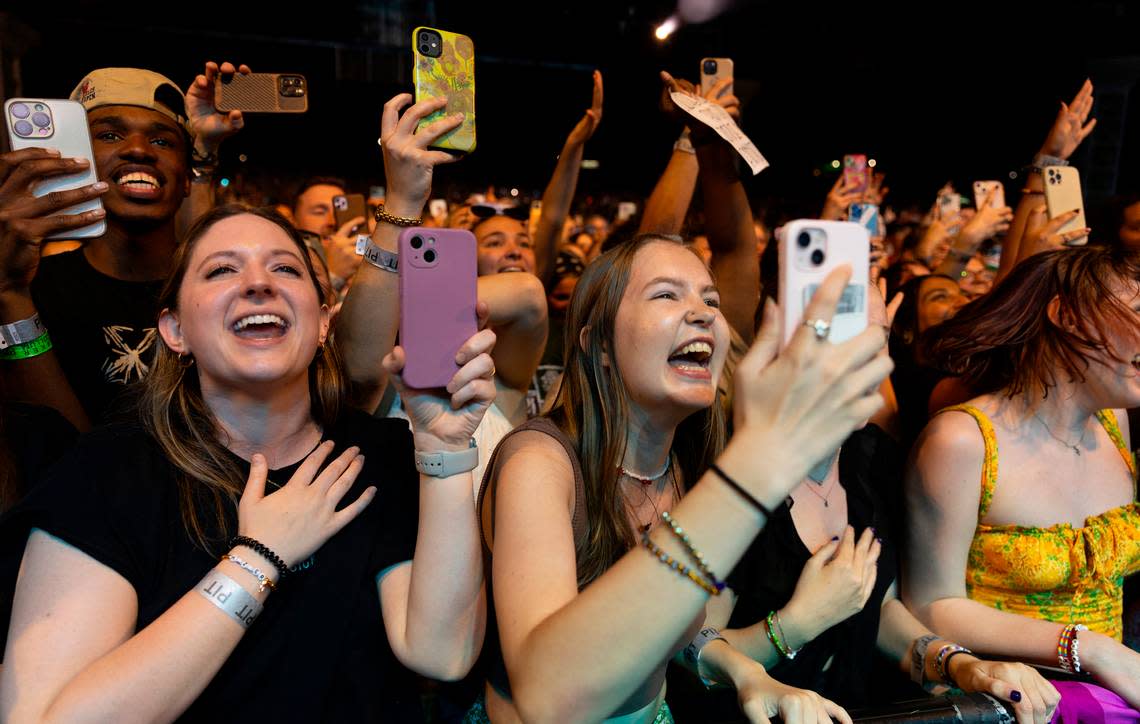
[437, 302]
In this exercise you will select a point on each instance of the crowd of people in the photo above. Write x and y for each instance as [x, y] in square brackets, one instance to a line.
[221, 500]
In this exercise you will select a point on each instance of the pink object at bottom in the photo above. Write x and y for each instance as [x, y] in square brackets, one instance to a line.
[1091, 704]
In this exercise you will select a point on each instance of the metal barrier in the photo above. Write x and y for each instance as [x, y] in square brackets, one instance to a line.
[974, 708]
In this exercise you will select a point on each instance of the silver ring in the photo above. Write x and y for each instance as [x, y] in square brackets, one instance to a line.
[821, 327]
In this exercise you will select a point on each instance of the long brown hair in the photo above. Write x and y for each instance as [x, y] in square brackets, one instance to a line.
[173, 411]
[1006, 340]
[592, 408]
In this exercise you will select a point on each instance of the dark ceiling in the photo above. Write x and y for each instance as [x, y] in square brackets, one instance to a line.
[932, 90]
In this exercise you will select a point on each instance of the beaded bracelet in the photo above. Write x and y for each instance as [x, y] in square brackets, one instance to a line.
[1068, 648]
[263, 581]
[742, 491]
[696, 554]
[944, 655]
[779, 640]
[677, 566]
[262, 550]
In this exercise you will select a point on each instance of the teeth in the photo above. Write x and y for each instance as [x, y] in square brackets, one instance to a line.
[695, 347]
[138, 178]
[258, 319]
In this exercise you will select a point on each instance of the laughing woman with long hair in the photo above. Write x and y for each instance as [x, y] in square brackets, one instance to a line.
[603, 529]
[135, 600]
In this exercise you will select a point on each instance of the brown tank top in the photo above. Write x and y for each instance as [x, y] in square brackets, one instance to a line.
[492, 653]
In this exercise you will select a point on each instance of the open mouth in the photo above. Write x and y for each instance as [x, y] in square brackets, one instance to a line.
[260, 326]
[138, 184]
[1136, 361]
[692, 356]
[512, 268]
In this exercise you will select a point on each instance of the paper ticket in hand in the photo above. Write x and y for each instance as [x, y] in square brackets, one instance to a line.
[717, 118]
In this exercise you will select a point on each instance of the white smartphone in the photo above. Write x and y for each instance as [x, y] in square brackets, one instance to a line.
[714, 70]
[983, 189]
[1063, 194]
[62, 125]
[809, 250]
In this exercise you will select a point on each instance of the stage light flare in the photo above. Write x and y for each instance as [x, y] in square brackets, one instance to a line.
[667, 28]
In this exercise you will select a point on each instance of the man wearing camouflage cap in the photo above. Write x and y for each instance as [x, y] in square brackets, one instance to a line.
[99, 302]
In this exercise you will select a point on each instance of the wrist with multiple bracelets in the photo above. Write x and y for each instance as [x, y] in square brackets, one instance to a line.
[1069, 648]
[230, 596]
[24, 339]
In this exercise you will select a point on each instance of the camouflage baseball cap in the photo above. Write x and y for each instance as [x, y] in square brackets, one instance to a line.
[133, 87]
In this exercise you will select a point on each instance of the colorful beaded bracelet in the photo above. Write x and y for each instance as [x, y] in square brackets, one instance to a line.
[696, 554]
[677, 566]
[779, 639]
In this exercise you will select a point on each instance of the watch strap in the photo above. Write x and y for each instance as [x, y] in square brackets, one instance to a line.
[446, 464]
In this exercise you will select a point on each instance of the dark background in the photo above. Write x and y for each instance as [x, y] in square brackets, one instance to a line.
[933, 91]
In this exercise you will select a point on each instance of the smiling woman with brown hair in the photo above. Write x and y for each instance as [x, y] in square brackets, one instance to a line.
[153, 550]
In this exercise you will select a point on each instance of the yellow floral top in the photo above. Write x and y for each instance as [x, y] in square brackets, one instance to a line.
[1060, 573]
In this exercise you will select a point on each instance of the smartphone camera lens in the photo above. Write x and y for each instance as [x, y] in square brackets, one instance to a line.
[22, 128]
[803, 240]
[429, 256]
[41, 120]
[417, 242]
[817, 257]
[425, 48]
[710, 67]
[19, 110]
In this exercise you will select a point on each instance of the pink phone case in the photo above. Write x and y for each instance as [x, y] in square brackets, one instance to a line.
[438, 269]
[856, 172]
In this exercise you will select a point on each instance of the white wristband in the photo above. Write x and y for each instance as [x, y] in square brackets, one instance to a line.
[377, 257]
[225, 593]
[21, 331]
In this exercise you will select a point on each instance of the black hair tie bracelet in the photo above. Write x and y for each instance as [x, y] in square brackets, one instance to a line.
[740, 489]
[262, 550]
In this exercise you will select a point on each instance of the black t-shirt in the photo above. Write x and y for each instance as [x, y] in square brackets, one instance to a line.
[766, 577]
[102, 328]
[318, 652]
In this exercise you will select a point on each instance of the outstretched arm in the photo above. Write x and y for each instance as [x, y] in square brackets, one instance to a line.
[370, 314]
[560, 190]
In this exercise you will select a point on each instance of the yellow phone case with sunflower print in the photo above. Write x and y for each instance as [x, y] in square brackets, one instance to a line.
[445, 67]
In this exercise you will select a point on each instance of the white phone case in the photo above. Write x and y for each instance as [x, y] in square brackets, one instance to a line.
[724, 69]
[62, 125]
[802, 271]
[1063, 194]
[983, 188]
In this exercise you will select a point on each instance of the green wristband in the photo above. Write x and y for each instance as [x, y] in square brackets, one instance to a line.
[35, 348]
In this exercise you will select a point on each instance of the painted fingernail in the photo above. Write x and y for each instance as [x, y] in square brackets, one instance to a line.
[879, 541]
[1015, 696]
[834, 537]
[79, 161]
[100, 185]
[98, 212]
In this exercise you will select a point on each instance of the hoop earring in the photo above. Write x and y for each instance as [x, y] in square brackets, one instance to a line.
[185, 361]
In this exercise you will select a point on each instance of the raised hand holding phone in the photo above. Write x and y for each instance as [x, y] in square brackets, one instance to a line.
[810, 249]
[60, 128]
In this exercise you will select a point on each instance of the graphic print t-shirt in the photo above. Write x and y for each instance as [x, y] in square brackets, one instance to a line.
[102, 328]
